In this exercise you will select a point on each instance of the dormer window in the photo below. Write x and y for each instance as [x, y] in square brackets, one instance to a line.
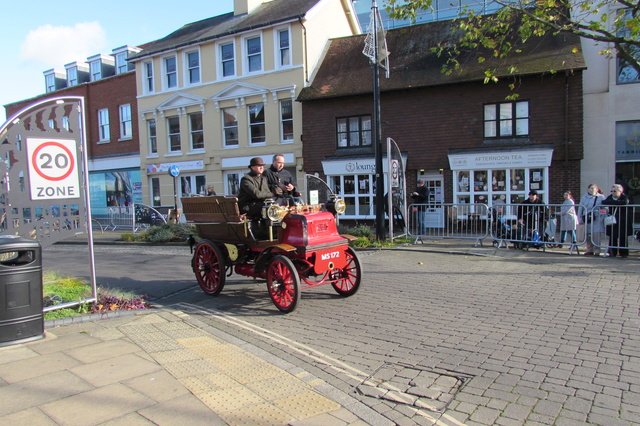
[72, 77]
[50, 81]
[96, 71]
[121, 63]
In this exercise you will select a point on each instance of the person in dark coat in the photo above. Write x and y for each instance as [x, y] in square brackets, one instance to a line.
[281, 182]
[619, 232]
[420, 196]
[533, 213]
[254, 189]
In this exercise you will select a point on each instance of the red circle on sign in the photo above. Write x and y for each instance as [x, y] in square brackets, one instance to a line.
[40, 172]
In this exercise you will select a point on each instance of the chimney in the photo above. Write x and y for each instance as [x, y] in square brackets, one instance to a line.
[241, 7]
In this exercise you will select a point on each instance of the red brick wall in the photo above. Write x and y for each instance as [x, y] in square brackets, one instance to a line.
[108, 93]
[428, 122]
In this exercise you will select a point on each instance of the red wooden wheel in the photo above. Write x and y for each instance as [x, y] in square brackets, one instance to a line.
[347, 279]
[208, 265]
[283, 283]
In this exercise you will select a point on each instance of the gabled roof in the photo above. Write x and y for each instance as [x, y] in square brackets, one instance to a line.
[346, 71]
[267, 14]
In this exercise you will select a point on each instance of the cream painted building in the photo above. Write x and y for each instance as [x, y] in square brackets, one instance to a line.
[611, 123]
[217, 92]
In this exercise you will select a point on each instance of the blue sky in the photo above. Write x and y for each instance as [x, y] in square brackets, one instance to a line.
[40, 35]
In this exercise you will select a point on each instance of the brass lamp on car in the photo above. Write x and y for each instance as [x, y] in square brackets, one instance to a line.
[274, 213]
[336, 205]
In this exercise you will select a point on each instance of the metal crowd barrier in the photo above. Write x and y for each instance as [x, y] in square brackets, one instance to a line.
[621, 235]
[132, 217]
[526, 225]
[448, 220]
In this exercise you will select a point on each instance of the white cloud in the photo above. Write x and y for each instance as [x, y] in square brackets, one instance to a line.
[56, 46]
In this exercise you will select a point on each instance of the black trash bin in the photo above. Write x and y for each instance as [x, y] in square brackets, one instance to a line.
[21, 317]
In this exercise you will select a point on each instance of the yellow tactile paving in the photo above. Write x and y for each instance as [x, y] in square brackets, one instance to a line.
[276, 388]
[307, 404]
[261, 414]
[175, 356]
[227, 400]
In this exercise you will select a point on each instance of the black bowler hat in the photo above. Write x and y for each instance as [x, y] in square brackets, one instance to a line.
[533, 192]
[256, 161]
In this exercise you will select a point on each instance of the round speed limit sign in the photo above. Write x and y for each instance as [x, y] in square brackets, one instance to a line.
[53, 168]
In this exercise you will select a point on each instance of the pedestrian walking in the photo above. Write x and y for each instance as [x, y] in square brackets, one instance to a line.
[568, 219]
[591, 219]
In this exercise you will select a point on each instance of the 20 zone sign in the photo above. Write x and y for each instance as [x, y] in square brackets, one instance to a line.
[53, 169]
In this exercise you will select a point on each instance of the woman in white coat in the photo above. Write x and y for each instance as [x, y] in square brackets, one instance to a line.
[592, 219]
[568, 218]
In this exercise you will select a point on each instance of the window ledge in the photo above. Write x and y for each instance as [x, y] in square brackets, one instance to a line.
[104, 141]
[126, 138]
[174, 154]
[195, 152]
[150, 156]
[508, 141]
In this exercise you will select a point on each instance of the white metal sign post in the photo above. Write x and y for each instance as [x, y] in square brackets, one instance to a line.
[53, 169]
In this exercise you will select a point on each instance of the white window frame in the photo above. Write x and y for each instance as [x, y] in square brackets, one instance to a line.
[104, 135]
[126, 128]
[194, 133]
[355, 210]
[50, 82]
[65, 123]
[251, 124]
[148, 82]
[152, 136]
[96, 70]
[72, 76]
[247, 56]
[231, 181]
[188, 80]
[221, 60]
[156, 198]
[121, 63]
[170, 135]
[284, 121]
[225, 128]
[197, 184]
[280, 51]
[166, 73]
[467, 189]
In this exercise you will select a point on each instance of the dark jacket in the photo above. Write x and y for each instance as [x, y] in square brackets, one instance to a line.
[624, 215]
[533, 214]
[423, 195]
[277, 179]
[253, 191]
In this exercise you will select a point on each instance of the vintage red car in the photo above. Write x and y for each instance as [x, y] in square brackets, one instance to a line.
[286, 246]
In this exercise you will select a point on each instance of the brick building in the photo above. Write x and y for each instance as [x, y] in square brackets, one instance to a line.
[461, 135]
[112, 125]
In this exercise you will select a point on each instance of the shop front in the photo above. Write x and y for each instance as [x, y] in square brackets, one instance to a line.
[354, 180]
[504, 176]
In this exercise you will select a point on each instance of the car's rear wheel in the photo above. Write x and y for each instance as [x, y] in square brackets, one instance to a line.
[208, 265]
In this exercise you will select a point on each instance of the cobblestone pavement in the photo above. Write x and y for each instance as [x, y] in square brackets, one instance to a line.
[517, 340]
[488, 337]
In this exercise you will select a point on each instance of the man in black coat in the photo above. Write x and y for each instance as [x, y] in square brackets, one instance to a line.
[281, 182]
[420, 196]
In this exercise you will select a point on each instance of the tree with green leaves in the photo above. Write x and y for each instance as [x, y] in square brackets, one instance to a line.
[612, 24]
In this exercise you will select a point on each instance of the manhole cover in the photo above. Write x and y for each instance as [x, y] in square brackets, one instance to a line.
[413, 386]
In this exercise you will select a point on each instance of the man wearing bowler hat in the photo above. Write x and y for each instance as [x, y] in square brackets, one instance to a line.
[254, 189]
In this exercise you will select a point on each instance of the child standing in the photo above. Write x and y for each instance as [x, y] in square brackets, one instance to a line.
[568, 218]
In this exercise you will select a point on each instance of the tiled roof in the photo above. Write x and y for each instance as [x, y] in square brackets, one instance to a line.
[267, 14]
[346, 71]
